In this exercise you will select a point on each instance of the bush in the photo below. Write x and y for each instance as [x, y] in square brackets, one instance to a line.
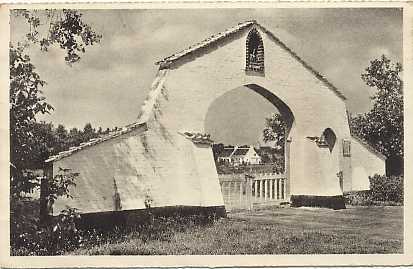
[29, 237]
[383, 191]
[386, 189]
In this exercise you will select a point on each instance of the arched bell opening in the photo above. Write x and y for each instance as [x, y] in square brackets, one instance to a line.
[254, 52]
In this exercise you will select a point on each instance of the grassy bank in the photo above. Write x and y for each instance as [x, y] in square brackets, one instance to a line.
[276, 231]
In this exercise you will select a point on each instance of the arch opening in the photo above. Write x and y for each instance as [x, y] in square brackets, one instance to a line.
[238, 116]
[282, 107]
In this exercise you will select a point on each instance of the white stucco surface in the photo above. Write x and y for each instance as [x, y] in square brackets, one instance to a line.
[364, 163]
[195, 82]
[165, 168]
[163, 165]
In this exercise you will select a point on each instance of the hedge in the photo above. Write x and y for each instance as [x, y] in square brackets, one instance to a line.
[383, 191]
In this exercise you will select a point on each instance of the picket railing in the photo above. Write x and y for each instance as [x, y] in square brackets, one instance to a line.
[270, 187]
[242, 191]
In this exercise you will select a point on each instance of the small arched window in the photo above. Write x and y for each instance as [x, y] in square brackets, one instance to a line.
[328, 138]
[255, 52]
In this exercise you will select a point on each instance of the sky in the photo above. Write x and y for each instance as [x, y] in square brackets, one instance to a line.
[109, 84]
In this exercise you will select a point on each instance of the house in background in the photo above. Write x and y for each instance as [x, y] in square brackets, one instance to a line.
[243, 155]
[224, 157]
[239, 155]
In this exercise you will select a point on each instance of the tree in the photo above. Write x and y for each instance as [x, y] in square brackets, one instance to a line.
[275, 130]
[61, 132]
[45, 137]
[26, 100]
[66, 29]
[382, 126]
[217, 150]
[88, 132]
[75, 137]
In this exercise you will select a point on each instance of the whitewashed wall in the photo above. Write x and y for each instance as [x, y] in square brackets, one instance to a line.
[195, 82]
[165, 167]
[364, 163]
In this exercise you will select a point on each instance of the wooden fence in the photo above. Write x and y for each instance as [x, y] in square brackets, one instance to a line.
[244, 191]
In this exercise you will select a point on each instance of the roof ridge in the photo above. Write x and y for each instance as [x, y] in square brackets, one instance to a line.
[304, 63]
[207, 41]
[240, 26]
[93, 141]
[146, 111]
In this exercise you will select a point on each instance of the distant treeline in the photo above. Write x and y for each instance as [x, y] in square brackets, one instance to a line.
[49, 140]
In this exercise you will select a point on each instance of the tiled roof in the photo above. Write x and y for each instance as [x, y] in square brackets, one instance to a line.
[226, 152]
[150, 103]
[304, 63]
[94, 141]
[241, 26]
[204, 43]
[240, 151]
[198, 138]
[147, 110]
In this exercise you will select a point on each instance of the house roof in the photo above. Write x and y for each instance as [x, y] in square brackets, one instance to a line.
[227, 152]
[147, 110]
[127, 129]
[165, 62]
[240, 151]
[204, 43]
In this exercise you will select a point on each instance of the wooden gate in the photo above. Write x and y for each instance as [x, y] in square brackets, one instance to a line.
[244, 191]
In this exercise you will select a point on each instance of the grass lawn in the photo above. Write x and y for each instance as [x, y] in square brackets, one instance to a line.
[273, 231]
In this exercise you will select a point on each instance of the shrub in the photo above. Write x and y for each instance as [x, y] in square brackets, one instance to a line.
[28, 237]
[386, 189]
[358, 198]
[383, 191]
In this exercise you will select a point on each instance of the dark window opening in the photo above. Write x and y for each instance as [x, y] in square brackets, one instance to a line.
[346, 148]
[327, 139]
[255, 52]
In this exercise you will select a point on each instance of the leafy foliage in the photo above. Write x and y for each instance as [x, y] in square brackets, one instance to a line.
[60, 184]
[386, 188]
[26, 100]
[32, 142]
[65, 28]
[29, 237]
[383, 191]
[218, 149]
[275, 130]
[64, 235]
[382, 126]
